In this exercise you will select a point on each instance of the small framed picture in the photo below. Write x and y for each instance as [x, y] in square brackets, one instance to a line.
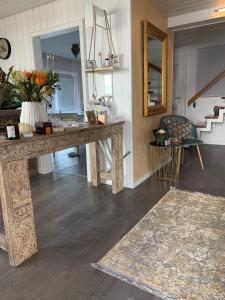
[91, 118]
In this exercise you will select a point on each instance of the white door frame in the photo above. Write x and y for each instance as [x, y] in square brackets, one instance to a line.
[181, 60]
[38, 63]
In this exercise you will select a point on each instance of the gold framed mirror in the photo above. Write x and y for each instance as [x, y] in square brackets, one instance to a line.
[155, 70]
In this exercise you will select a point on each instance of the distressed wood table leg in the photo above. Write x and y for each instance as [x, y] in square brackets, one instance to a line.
[95, 164]
[117, 163]
[17, 211]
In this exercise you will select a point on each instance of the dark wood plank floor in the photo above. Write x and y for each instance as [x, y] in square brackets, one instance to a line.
[73, 166]
[77, 224]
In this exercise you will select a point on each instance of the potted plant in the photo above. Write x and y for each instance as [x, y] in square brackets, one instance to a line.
[35, 90]
[8, 95]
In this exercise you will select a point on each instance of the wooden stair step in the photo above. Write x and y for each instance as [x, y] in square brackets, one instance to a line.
[201, 125]
[211, 117]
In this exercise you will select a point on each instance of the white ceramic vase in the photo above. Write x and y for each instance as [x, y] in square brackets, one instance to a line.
[33, 112]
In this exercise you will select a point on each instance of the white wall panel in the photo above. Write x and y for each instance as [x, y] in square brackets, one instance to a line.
[44, 17]
[11, 7]
[71, 10]
[20, 27]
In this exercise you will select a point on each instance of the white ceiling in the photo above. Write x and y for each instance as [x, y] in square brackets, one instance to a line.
[60, 45]
[169, 7]
[10, 7]
[179, 7]
[201, 34]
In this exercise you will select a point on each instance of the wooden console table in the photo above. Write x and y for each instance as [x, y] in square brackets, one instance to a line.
[20, 234]
[13, 116]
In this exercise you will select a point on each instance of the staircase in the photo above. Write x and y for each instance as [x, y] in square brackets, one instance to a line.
[212, 123]
[210, 120]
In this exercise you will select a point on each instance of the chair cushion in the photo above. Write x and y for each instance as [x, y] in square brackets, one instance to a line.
[180, 129]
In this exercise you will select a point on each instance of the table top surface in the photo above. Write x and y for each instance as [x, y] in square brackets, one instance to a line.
[82, 128]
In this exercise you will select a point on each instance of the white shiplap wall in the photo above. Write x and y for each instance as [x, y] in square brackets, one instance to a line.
[11, 7]
[19, 28]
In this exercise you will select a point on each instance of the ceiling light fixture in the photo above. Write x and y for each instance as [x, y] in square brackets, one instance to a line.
[220, 10]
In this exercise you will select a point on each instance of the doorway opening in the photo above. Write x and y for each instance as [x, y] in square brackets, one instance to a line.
[199, 80]
[61, 52]
[198, 59]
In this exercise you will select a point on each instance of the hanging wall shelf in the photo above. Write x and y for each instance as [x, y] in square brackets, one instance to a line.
[102, 59]
[112, 58]
[103, 70]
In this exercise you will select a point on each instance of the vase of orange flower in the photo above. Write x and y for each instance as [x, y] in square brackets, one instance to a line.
[36, 90]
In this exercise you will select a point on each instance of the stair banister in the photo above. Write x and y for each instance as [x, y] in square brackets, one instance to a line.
[206, 88]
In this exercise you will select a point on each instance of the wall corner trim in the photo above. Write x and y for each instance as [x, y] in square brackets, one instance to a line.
[139, 181]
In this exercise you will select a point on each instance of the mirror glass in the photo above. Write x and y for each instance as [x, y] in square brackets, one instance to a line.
[154, 72]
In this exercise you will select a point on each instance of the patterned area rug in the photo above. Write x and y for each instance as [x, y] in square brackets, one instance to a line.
[177, 251]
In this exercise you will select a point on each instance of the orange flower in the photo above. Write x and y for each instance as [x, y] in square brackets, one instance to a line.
[40, 80]
[27, 74]
[40, 74]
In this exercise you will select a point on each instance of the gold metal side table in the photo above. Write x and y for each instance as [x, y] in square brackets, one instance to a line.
[165, 162]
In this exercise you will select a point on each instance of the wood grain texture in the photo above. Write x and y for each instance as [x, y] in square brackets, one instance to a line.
[41, 144]
[15, 184]
[3, 243]
[77, 224]
[106, 175]
[95, 164]
[17, 211]
[117, 162]
[33, 166]
[200, 158]
[206, 88]
[154, 67]
[13, 115]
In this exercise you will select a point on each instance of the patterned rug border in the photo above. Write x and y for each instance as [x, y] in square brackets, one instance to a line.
[129, 280]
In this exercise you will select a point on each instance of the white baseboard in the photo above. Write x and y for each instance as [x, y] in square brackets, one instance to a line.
[140, 180]
[145, 177]
[131, 185]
